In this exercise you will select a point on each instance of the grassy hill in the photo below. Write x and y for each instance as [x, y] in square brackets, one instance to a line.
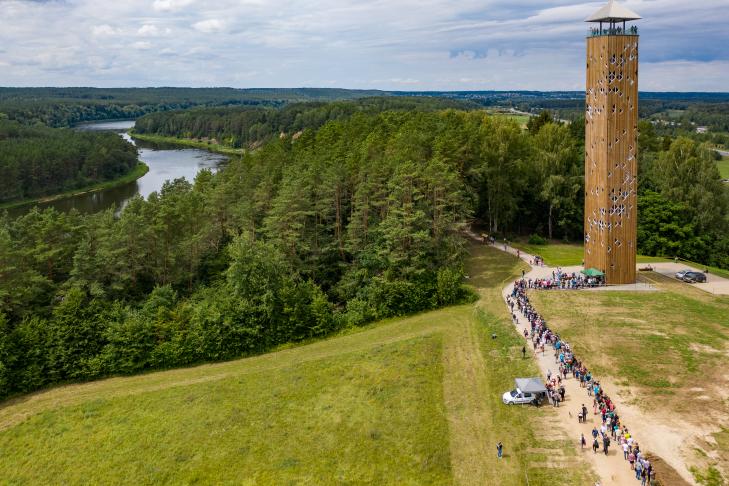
[414, 400]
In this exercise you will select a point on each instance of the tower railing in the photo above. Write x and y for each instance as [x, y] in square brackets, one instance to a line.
[596, 32]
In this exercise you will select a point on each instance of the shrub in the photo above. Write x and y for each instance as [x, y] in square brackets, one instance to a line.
[537, 240]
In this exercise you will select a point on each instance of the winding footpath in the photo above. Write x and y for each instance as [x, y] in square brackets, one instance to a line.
[612, 469]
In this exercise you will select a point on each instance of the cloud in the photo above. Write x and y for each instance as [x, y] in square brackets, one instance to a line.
[386, 44]
[151, 30]
[170, 5]
[142, 46]
[103, 30]
[209, 26]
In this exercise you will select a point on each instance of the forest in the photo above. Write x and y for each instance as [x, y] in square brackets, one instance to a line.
[38, 161]
[334, 222]
[65, 107]
[248, 127]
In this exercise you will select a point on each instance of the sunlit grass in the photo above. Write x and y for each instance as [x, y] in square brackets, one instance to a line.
[554, 253]
[723, 166]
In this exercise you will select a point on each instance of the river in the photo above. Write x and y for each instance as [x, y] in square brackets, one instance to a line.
[165, 163]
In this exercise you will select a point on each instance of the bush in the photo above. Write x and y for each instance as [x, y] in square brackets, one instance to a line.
[537, 240]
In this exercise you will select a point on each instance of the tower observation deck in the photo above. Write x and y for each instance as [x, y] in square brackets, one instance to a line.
[611, 143]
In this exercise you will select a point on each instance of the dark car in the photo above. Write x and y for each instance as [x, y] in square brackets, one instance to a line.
[694, 277]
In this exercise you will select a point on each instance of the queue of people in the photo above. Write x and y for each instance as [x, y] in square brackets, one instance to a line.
[603, 408]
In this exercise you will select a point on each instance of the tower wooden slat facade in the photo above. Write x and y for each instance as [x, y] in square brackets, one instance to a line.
[611, 148]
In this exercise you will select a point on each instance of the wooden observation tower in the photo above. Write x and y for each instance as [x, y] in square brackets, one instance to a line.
[611, 144]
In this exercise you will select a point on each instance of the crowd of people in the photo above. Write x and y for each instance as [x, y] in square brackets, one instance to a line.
[603, 408]
[564, 280]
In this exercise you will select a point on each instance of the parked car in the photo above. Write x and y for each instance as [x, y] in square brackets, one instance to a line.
[679, 275]
[694, 277]
[517, 396]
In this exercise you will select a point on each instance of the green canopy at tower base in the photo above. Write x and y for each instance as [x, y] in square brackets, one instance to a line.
[593, 272]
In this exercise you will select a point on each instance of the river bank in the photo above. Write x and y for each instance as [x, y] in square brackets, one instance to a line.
[187, 142]
[139, 171]
[164, 162]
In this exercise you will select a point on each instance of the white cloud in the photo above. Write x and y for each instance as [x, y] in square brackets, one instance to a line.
[209, 26]
[141, 45]
[151, 30]
[170, 5]
[104, 30]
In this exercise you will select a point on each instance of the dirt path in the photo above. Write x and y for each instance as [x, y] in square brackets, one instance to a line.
[653, 435]
[612, 469]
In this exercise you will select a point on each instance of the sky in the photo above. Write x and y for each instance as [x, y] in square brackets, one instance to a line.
[410, 45]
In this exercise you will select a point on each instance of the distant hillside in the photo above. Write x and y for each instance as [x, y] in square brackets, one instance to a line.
[249, 126]
[59, 107]
[570, 104]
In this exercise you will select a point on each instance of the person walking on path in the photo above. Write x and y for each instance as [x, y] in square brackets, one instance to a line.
[583, 442]
[523, 352]
[499, 450]
[605, 443]
[595, 446]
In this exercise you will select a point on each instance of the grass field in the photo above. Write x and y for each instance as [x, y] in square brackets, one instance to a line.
[669, 349]
[570, 254]
[567, 254]
[723, 166]
[414, 400]
[518, 118]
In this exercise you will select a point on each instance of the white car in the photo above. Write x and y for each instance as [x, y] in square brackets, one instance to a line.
[517, 396]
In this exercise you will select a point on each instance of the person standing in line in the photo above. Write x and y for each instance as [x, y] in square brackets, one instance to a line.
[625, 450]
[499, 450]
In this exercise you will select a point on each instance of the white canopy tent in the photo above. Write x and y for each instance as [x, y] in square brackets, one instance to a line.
[530, 385]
